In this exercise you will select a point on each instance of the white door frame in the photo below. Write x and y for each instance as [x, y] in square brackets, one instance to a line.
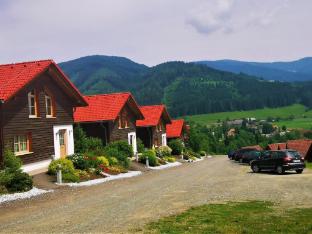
[134, 142]
[164, 139]
[70, 140]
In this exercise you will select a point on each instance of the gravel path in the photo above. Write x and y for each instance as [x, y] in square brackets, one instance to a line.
[119, 206]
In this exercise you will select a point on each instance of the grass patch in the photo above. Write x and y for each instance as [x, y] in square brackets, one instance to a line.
[309, 165]
[245, 217]
[303, 118]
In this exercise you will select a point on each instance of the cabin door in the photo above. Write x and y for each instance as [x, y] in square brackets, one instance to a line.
[132, 141]
[164, 139]
[63, 143]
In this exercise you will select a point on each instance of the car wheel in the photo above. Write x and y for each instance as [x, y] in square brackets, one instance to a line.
[280, 170]
[255, 168]
[299, 171]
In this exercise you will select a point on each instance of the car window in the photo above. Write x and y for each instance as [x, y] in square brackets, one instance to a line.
[293, 154]
[267, 155]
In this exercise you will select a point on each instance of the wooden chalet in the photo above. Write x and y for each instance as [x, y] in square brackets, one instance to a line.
[177, 130]
[110, 117]
[36, 111]
[152, 129]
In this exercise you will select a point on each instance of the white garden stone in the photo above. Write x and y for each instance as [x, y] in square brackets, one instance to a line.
[174, 164]
[23, 195]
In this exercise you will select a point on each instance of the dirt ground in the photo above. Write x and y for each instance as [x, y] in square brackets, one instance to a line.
[120, 206]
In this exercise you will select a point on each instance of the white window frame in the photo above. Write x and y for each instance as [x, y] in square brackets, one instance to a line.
[32, 94]
[48, 97]
[19, 143]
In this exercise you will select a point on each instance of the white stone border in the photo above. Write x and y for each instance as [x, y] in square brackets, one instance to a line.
[24, 195]
[174, 164]
[106, 179]
[196, 160]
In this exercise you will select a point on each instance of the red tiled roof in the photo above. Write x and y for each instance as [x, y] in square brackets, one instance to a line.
[14, 77]
[272, 147]
[174, 130]
[256, 147]
[282, 146]
[302, 146]
[152, 115]
[104, 107]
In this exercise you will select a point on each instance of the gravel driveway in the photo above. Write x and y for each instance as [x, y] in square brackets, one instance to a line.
[119, 206]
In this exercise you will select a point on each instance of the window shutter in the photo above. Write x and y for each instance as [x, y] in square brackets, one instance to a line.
[37, 103]
[29, 141]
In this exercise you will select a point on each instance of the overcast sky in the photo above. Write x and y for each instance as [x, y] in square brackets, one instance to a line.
[155, 31]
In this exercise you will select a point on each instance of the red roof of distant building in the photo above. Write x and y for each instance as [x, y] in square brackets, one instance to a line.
[302, 146]
[282, 146]
[105, 107]
[14, 77]
[152, 115]
[175, 129]
[272, 147]
[256, 147]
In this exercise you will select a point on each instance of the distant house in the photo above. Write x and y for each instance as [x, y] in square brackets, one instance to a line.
[152, 129]
[231, 132]
[235, 123]
[36, 109]
[110, 117]
[256, 147]
[277, 146]
[177, 130]
[303, 146]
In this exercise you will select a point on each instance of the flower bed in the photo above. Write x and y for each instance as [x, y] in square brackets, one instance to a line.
[24, 195]
[168, 165]
[103, 180]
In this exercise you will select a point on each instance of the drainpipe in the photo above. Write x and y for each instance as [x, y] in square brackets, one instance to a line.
[1, 132]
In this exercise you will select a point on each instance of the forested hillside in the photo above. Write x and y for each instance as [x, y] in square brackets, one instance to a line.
[299, 70]
[186, 88]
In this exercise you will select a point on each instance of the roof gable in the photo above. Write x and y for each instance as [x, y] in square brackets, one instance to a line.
[152, 115]
[175, 129]
[14, 77]
[302, 146]
[105, 107]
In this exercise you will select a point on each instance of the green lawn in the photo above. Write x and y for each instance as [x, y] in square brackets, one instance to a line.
[297, 110]
[309, 165]
[246, 217]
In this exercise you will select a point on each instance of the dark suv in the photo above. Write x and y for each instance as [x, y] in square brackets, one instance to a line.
[249, 156]
[239, 153]
[279, 161]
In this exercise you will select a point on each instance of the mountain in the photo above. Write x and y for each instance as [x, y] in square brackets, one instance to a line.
[299, 70]
[103, 74]
[186, 88]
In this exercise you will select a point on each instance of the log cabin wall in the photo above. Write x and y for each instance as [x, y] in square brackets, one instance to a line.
[116, 133]
[16, 119]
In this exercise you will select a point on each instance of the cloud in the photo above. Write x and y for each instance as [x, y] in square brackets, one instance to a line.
[228, 16]
[211, 16]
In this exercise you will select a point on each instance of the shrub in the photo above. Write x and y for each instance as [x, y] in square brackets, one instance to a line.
[163, 151]
[70, 177]
[85, 144]
[11, 163]
[176, 146]
[103, 160]
[21, 182]
[202, 153]
[67, 166]
[189, 154]
[120, 150]
[12, 179]
[113, 161]
[140, 146]
[151, 155]
[170, 159]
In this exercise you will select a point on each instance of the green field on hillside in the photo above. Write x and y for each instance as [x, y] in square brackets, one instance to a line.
[302, 117]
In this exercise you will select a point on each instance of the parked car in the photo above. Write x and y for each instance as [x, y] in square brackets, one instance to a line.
[249, 156]
[239, 153]
[231, 154]
[279, 161]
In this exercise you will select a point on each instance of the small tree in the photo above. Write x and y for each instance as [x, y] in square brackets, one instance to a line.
[176, 146]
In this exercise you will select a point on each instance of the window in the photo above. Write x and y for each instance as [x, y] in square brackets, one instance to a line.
[119, 122]
[32, 104]
[22, 144]
[49, 106]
